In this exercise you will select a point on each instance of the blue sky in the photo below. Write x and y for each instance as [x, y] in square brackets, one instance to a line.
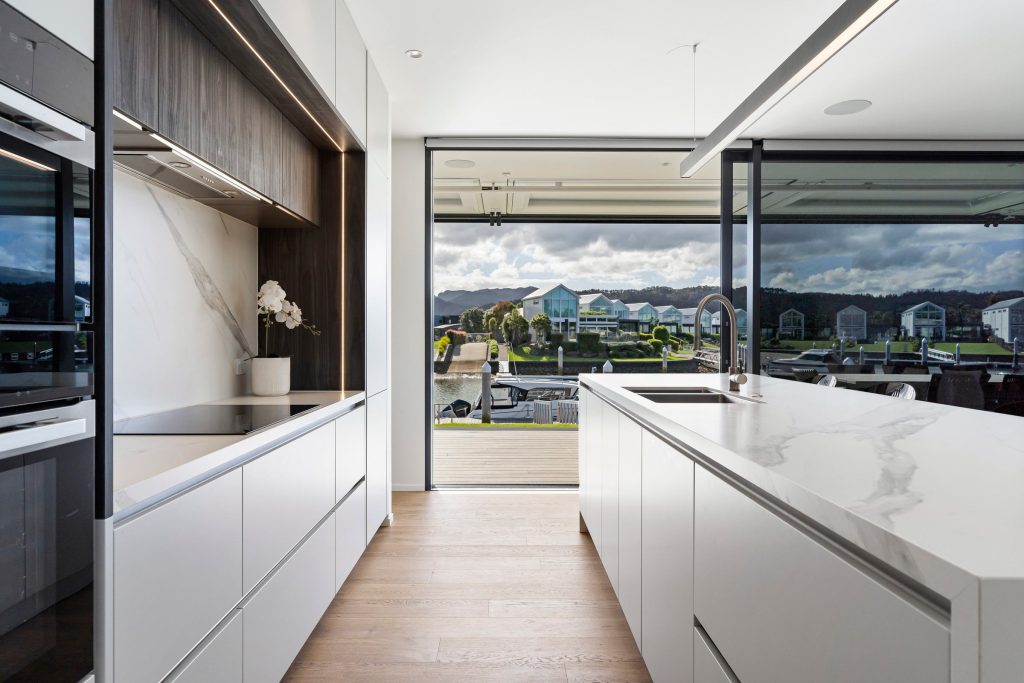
[852, 258]
[27, 242]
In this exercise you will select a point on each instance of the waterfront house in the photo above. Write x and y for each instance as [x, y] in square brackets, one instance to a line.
[559, 303]
[791, 324]
[595, 302]
[670, 316]
[924, 320]
[852, 323]
[1005, 319]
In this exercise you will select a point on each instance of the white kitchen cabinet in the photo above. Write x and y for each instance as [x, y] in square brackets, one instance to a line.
[781, 606]
[595, 467]
[610, 494]
[349, 534]
[69, 20]
[286, 493]
[378, 120]
[308, 27]
[667, 561]
[350, 60]
[376, 462]
[630, 525]
[350, 451]
[706, 666]
[218, 658]
[281, 614]
[377, 278]
[178, 572]
[581, 441]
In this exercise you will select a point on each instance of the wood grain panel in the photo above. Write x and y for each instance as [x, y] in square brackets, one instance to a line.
[300, 166]
[353, 207]
[136, 52]
[180, 76]
[509, 612]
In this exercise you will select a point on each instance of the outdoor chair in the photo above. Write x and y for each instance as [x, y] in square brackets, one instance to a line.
[801, 375]
[902, 391]
[827, 381]
[542, 412]
[961, 388]
[915, 370]
[568, 412]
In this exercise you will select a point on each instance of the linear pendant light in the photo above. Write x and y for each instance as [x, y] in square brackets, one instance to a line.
[852, 17]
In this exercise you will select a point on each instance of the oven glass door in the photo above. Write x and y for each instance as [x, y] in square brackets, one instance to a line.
[45, 264]
[41, 366]
[46, 563]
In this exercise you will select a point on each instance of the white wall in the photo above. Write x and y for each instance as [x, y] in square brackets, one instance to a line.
[410, 340]
[185, 286]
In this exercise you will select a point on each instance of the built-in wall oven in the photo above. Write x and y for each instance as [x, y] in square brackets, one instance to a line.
[48, 468]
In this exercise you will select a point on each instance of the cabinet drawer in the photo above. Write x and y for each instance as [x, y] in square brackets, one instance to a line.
[706, 666]
[286, 493]
[376, 462]
[782, 607]
[218, 659]
[279, 617]
[349, 534]
[350, 451]
[177, 573]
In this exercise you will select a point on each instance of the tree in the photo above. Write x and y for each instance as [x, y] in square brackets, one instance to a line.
[514, 327]
[661, 334]
[472, 320]
[492, 325]
[501, 309]
[541, 324]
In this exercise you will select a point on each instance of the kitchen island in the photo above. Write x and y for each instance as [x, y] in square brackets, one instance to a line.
[793, 532]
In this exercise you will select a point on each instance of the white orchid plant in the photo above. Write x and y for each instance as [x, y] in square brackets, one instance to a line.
[275, 308]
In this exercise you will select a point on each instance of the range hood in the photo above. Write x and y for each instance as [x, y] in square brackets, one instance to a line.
[158, 161]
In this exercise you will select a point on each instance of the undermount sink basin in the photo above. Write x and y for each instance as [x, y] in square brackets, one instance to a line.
[683, 395]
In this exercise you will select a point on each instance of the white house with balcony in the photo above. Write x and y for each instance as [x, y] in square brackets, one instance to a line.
[741, 321]
[670, 316]
[559, 303]
[686, 320]
[595, 302]
[619, 309]
[644, 315]
[791, 324]
[597, 314]
[852, 323]
[1005, 319]
[924, 320]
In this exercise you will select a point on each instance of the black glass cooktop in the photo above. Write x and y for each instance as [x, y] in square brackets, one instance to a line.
[211, 419]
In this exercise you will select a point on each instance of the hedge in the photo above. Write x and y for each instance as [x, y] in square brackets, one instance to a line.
[456, 336]
[589, 342]
[492, 349]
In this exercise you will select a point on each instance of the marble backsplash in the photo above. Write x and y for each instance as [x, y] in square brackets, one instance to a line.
[185, 284]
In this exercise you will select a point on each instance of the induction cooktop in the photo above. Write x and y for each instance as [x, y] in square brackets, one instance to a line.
[211, 419]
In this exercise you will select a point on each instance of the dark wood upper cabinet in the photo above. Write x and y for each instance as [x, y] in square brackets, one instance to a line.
[136, 51]
[174, 80]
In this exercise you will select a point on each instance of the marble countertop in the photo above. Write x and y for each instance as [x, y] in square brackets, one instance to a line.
[149, 469]
[935, 492]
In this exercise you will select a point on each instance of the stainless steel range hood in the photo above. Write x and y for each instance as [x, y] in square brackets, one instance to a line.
[158, 161]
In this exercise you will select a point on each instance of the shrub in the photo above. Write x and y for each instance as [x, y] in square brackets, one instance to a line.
[646, 336]
[556, 339]
[660, 333]
[492, 349]
[657, 345]
[570, 347]
[589, 342]
[442, 345]
[457, 337]
[645, 349]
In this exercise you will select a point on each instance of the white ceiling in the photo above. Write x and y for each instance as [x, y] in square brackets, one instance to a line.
[576, 67]
[941, 69]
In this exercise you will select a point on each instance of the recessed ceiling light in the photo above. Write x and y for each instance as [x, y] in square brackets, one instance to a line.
[414, 54]
[460, 163]
[847, 107]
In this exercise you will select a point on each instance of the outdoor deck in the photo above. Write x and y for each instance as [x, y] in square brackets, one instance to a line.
[490, 456]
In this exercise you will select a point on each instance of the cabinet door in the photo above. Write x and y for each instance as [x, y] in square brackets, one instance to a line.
[595, 467]
[308, 28]
[376, 280]
[667, 571]
[286, 493]
[376, 462]
[135, 59]
[218, 658]
[279, 617]
[378, 120]
[300, 165]
[350, 451]
[177, 573]
[221, 111]
[610, 494]
[180, 76]
[630, 529]
[350, 534]
[584, 427]
[782, 606]
[350, 97]
[706, 665]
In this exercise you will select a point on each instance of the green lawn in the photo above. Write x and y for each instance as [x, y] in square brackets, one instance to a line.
[983, 348]
[519, 354]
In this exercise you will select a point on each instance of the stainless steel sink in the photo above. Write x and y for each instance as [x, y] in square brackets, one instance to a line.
[683, 395]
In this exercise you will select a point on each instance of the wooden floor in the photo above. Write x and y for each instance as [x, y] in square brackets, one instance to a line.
[490, 456]
[475, 587]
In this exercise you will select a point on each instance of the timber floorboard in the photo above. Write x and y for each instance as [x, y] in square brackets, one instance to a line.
[475, 587]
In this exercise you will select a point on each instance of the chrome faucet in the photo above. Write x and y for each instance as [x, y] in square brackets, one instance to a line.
[736, 377]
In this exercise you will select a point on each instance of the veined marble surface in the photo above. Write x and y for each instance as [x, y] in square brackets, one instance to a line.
[150, 469]
[185, 286]
[933, 491]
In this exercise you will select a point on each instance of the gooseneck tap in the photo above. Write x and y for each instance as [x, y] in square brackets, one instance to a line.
[736, 377]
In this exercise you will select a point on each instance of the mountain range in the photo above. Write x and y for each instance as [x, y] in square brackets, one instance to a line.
[458, 300]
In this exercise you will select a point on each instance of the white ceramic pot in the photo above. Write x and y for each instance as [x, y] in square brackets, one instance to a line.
[271, 376]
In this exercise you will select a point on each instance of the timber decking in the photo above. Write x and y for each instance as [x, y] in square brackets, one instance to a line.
[490, 456]
[475, 587]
